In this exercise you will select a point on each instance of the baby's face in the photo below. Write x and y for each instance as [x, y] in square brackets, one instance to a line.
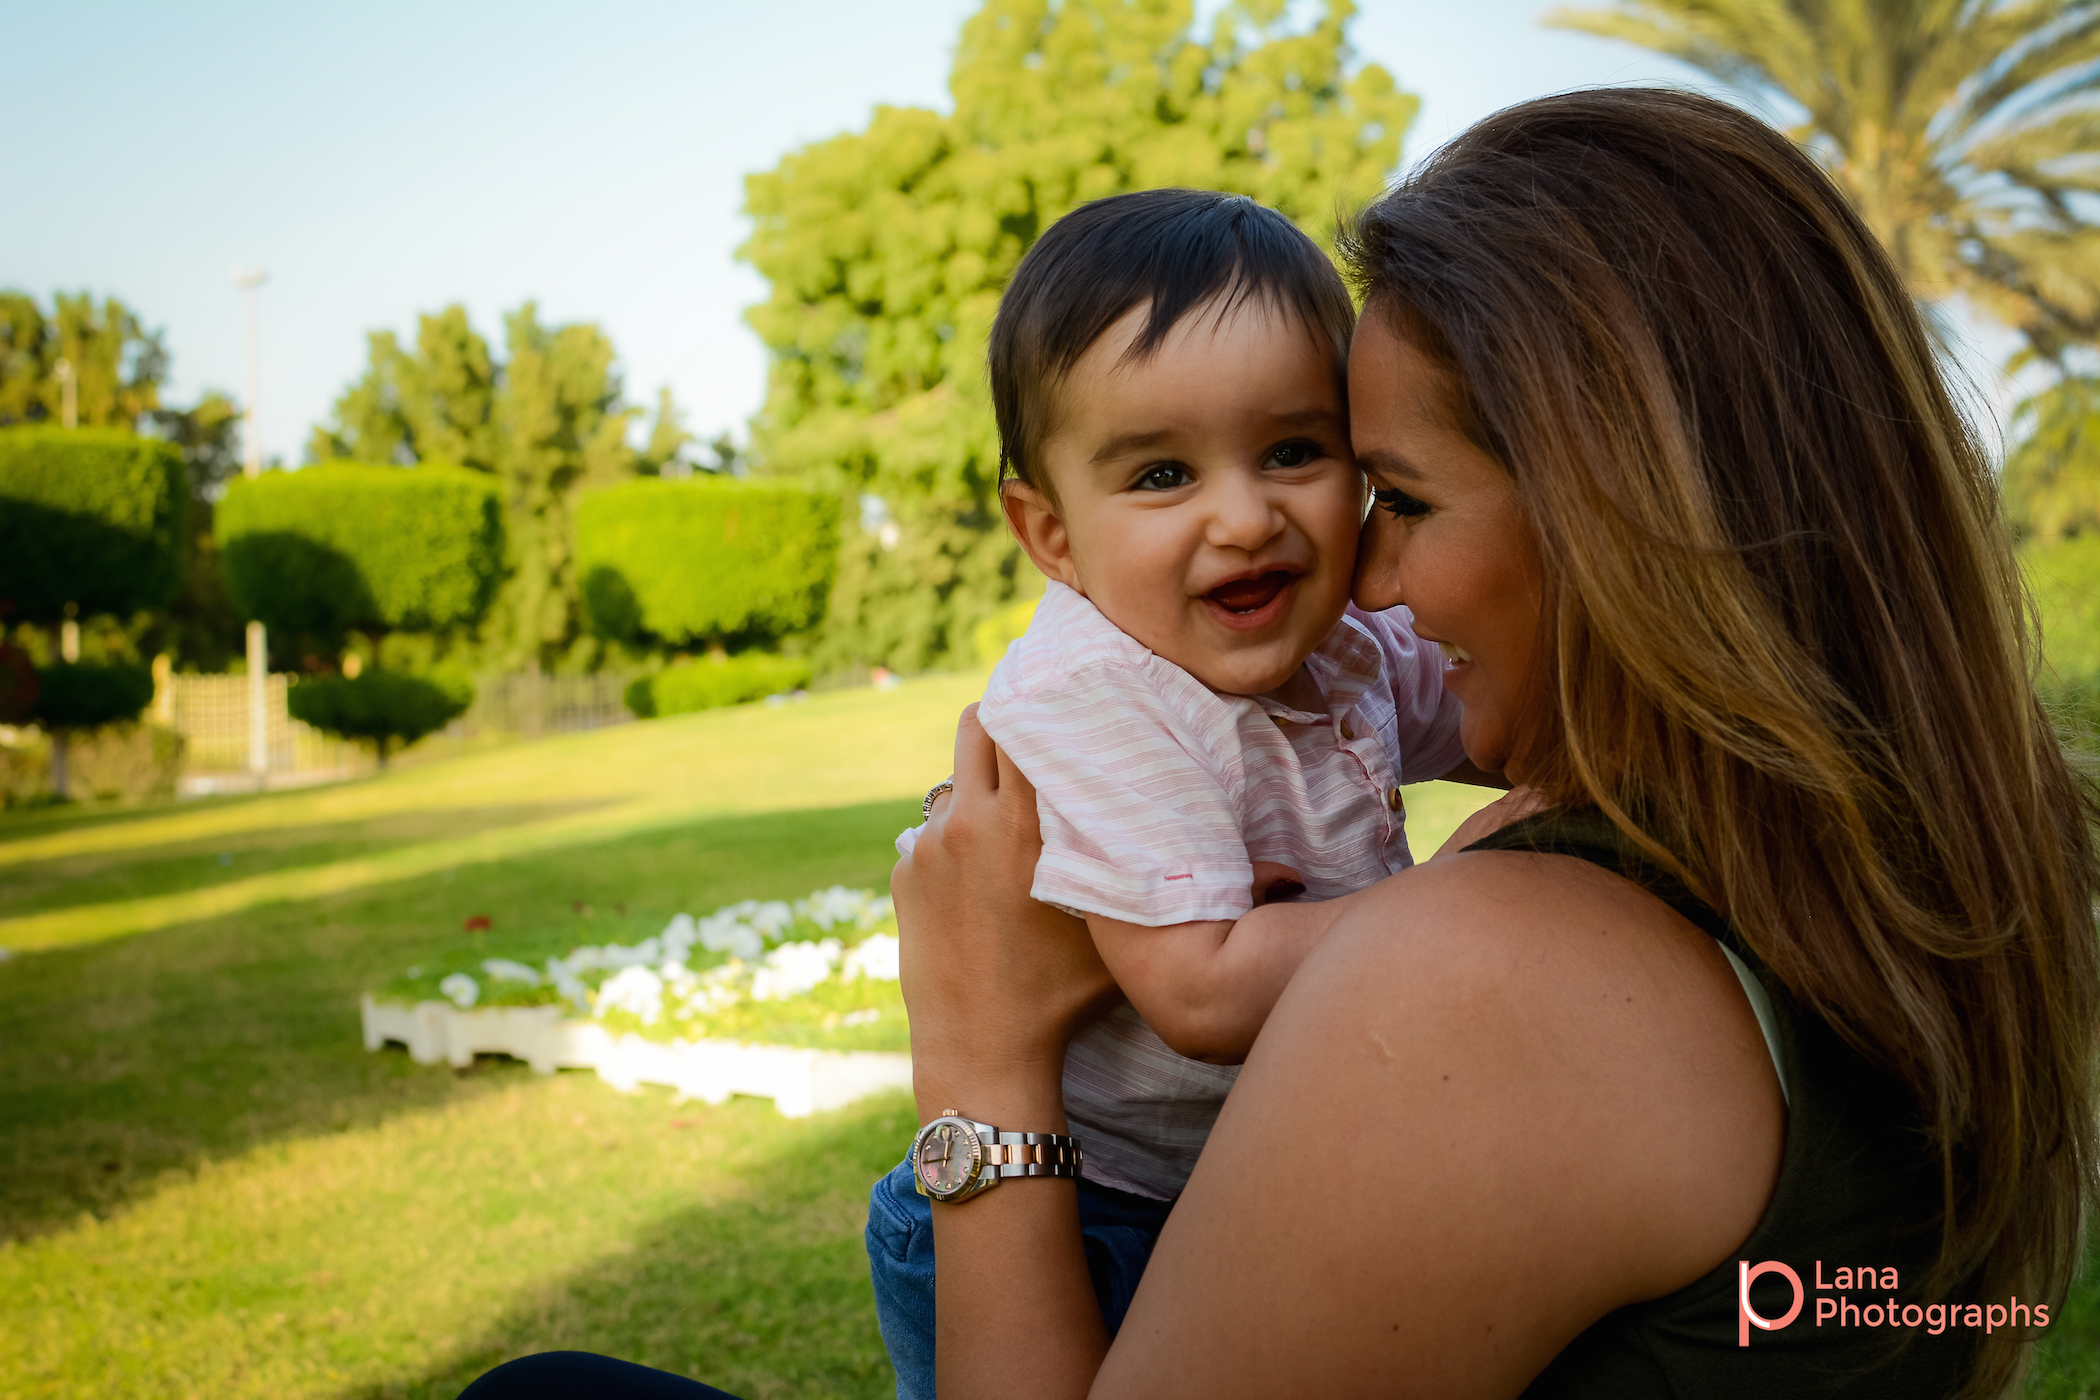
[1207, 501]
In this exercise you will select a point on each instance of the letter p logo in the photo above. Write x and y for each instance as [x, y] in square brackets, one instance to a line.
[1746, 1314]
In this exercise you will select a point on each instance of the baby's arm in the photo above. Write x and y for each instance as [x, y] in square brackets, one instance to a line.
[1206, 987]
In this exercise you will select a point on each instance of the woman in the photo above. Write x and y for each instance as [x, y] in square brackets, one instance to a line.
[1661, 452]
[1793, 962]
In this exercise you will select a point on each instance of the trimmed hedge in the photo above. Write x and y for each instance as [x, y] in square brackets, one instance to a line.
[712, 682]
[379, 707]
[76, 695]
[705, 558]
[416, 549]
[93, 517]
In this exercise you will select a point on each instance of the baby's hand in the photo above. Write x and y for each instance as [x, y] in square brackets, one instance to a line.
[1273, 884]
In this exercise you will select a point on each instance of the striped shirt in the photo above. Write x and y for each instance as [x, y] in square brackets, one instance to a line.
[1157, 794]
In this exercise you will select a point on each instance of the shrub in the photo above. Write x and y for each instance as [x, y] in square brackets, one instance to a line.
[712, 682]
[75, 695]
[706, 558]
[344, 545]
[379, 707]
[91, 517]
[127, 761]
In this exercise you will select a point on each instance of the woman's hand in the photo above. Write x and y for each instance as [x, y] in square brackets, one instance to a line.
[995, 983]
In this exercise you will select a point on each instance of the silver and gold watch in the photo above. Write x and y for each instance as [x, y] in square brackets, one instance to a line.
[953, 1159]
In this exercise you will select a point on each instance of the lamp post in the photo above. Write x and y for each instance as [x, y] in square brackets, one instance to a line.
[251, 467]
[68, 392]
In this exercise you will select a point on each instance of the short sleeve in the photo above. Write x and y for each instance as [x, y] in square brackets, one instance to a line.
[1136, 789]
[1425, 714]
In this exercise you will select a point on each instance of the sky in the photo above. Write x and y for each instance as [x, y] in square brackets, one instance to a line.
[386, 159]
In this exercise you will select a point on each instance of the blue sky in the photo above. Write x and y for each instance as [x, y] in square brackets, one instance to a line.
[389, 158]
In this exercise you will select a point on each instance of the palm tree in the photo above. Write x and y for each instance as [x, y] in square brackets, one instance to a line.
[1966, 132]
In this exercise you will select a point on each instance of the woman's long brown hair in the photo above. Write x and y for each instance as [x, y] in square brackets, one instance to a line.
[1790, 655]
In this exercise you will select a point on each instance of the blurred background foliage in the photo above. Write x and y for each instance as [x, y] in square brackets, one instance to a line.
[887, 249]
[1966, 135]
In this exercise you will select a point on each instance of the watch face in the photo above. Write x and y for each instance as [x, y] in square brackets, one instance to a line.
[948, 1156]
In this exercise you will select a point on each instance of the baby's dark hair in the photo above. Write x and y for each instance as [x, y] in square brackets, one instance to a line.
[1178, 249]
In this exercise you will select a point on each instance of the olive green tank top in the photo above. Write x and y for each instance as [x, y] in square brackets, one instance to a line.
[1858, 1190]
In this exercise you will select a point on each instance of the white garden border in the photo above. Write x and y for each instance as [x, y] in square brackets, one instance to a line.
[799, 1082]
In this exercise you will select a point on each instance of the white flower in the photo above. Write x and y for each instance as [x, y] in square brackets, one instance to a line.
[724, 932]
[836, 905]
[794, 968]
[504, 970]
[772, 918]
[462, 989]
[679, 935]
[637, 990]
[569, 985]
[876, 958]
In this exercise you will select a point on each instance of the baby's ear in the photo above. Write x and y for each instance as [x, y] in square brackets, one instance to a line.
[1041, 531]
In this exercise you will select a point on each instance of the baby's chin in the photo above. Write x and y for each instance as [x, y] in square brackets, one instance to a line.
[1242, 675]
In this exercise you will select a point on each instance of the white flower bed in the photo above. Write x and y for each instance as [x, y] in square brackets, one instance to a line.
[702, 1006]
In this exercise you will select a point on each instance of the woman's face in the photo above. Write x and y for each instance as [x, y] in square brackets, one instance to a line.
[1447, 537]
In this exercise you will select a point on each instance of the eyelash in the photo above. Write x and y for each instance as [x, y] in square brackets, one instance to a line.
[1310, 451]
[1399, 504]
[1148, 473]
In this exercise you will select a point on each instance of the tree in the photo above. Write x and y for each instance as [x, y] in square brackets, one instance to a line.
[887, 249]
[562, 426]
[706, 560]
[91, 521]
[432, 405]
[1963, 131]
[117, 364]
[315, 552]
[200, 628]
[382, 708]
[74, 698]
[546, 421]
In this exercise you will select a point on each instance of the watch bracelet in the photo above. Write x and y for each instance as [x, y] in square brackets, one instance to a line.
[1034, 1154]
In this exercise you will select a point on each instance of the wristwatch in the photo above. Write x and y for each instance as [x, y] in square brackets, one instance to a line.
[953, 1159]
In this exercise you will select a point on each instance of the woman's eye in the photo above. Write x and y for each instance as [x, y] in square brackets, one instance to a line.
[1293, 454]
[1165, 477]
[1402, 505]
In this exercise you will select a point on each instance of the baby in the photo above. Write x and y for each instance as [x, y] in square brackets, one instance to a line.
[1202, 713]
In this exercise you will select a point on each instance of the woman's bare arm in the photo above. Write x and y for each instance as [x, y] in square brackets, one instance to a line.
[1507, 1094]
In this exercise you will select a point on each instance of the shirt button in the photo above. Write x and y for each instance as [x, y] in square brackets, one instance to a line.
[1282, 721]
[1394, 801]
[1347, 732]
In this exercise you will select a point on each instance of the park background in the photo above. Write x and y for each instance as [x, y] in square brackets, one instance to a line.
[608, 459]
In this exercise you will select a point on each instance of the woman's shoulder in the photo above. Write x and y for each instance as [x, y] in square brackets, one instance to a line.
[1529, 1090]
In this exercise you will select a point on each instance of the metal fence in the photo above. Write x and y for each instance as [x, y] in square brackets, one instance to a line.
[532, 703]
[212, 713]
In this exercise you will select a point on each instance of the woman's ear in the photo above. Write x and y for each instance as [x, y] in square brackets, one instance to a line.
[1041, 532]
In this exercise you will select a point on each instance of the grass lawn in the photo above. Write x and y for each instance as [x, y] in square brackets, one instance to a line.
[209, 1188]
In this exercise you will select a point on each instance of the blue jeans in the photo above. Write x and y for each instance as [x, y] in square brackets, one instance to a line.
[1120, 1229]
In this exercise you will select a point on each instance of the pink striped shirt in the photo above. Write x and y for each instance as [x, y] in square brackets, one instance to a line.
[1156, 796]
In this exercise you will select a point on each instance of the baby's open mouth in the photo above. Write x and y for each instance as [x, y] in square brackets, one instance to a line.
[1246, 595]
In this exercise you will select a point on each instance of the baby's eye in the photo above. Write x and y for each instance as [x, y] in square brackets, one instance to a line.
[1167, 476]
[1402, 505]
[1292, 454]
